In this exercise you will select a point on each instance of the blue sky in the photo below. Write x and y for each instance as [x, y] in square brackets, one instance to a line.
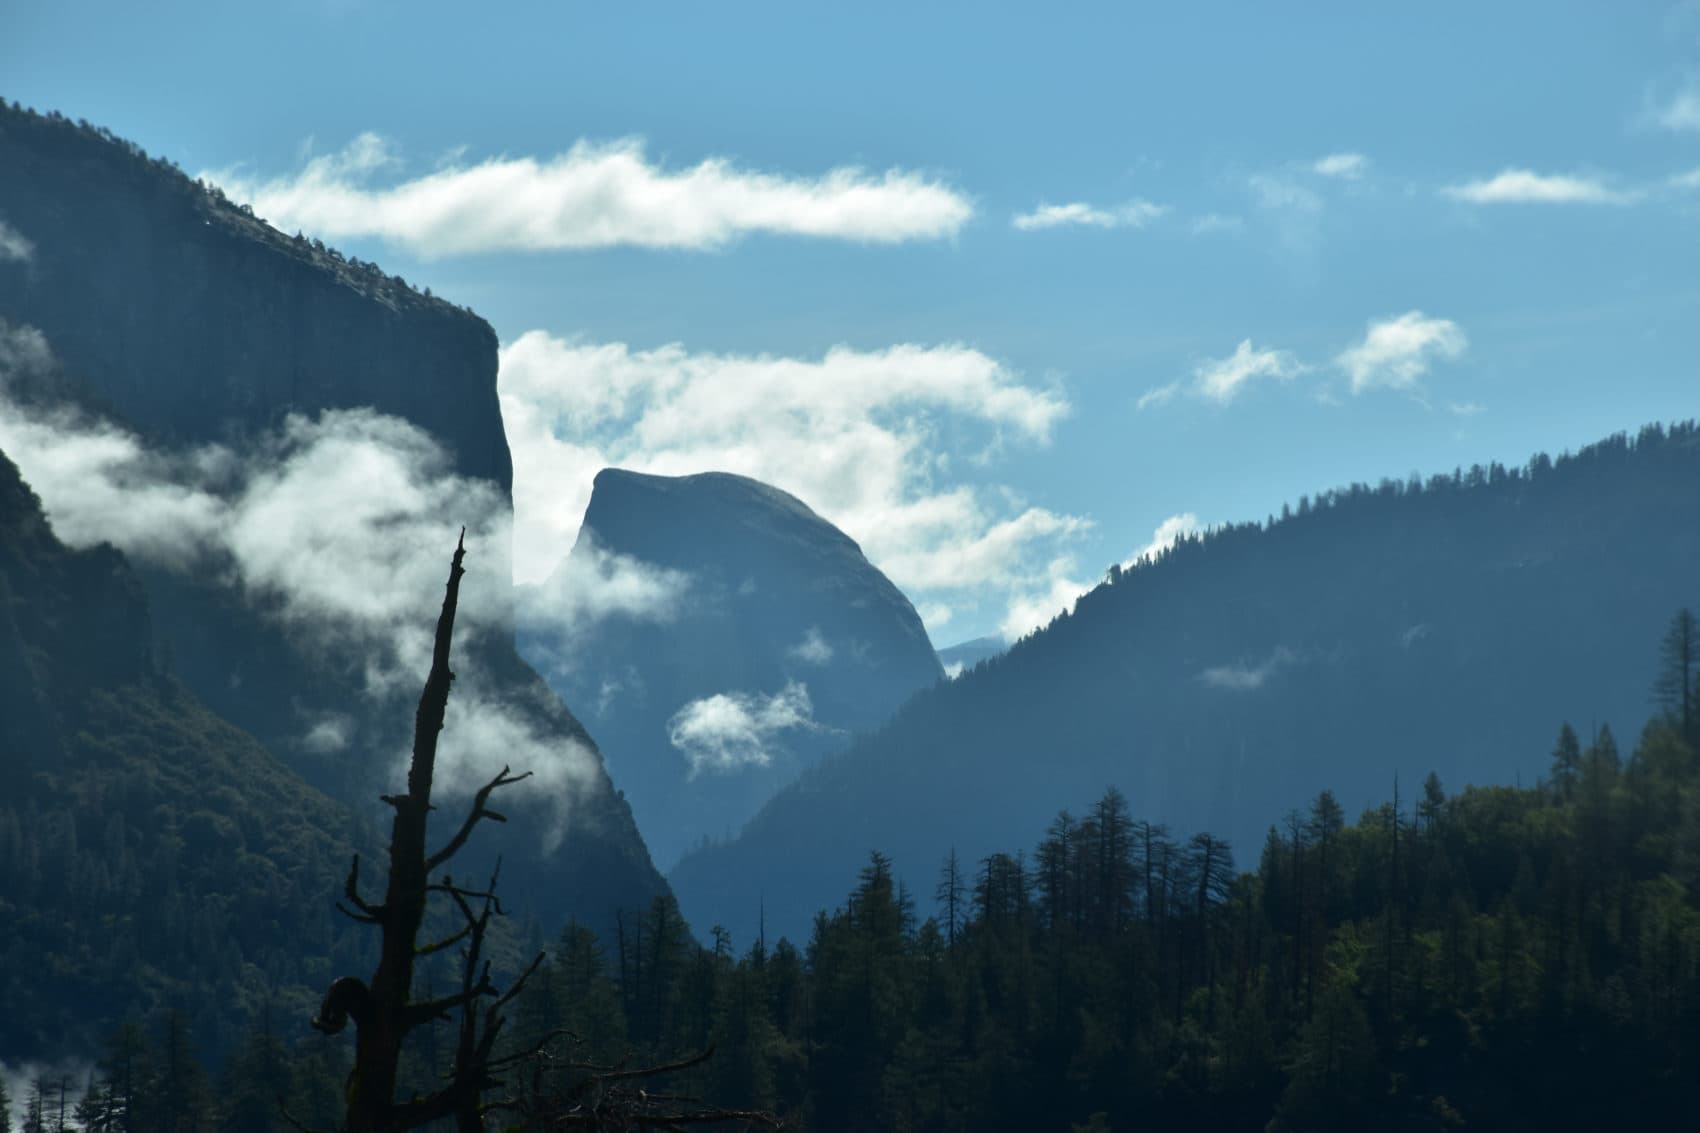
[1444, 234]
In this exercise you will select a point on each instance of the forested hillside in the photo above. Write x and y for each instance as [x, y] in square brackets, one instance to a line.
[1372, 632]
[1501, 958]
[152, 856]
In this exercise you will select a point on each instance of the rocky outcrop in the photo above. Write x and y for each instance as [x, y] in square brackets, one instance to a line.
[780, 642]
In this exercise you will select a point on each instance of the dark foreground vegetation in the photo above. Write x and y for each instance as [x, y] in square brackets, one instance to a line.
[1504, 958]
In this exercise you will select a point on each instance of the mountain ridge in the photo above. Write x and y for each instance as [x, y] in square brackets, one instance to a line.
[1224, 680]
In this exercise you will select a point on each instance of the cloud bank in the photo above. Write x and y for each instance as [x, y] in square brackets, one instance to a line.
[336, 527]
[596, 195]
[866, 438]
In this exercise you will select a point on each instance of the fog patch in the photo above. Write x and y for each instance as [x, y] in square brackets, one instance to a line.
[337, 528]
[593, 583]
[15, 247]
[20, 1079]
[1242, 677]
[813, 649]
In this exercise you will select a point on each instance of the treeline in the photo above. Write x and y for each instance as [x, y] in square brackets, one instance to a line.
[1501, 958]
[162, 174]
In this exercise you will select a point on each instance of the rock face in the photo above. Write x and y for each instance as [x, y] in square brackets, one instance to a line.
[187, 320]
[197, 322]
[1384, 631]
[779, 642]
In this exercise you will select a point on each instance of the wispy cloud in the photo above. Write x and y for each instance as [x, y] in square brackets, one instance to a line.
[1222, 380]
[1243, 677]
[733, 730]
[1524, 186]
[863, 437]
[1689, 180]
[1347, 166]
[1465, 408]
[1396, 352]
[14, 246]
[1681, 113]
[596, 195]
[1158, 395]
[1132, 214]
[1215, 222]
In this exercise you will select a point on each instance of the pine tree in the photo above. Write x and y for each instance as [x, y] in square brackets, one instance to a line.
[1566, 764]
[1677, 689]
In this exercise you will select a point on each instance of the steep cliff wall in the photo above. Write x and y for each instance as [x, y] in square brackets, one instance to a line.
[198, 322]
[189, 321]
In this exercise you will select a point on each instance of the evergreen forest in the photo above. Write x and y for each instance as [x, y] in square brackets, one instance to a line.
[1502, 958]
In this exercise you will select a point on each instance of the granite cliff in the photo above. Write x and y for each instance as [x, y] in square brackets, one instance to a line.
[186, 320]
[779, 643]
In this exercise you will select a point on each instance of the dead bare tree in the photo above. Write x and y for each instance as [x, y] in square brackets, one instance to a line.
[605, 1098]
[383, 1010]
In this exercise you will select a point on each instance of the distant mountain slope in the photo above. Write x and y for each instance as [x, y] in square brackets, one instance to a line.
[1376, 631]
[964, 655]
[186, 319]
[151, 855]
[780, 641]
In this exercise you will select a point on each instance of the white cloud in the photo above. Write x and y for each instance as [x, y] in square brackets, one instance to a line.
[14, 246]
[863, 437]
[1681, 113]
[1171, 531]
[813, 649]
[1465, 408]
[1222, 380]
[733, 730]
[592, 196]
[1348, 166]
[1523, 186]
[1241, 677]
[1395, 353]
[1133, 214]
[1045, 598]
[1689, 180]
